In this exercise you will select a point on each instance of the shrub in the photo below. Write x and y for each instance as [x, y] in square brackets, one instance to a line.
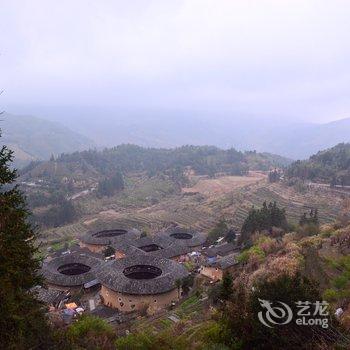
[310, 229]
[330, 295]
[241, 324]
[256, 252]
[139, 341]
[91, 332]
[87, 324]
[341, 281]
[243, 257]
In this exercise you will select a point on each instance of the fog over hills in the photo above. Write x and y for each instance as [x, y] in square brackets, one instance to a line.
[33, 138]
[170, 128]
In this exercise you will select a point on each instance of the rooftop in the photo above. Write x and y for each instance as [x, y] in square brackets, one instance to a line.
[187, 237]
[221, 250]
[107, 237]
[159, 246]
[48, 296]
[71, 269]
[225, 262]
[141, 274]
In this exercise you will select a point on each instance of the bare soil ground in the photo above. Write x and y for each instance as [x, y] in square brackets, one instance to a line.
[224, 184]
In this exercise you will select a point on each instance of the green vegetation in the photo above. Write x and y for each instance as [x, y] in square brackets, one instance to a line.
[309, 224]
[331, 166]
[109, 251]
[57, 215]
[341, 282]
[240, 316]
[22, 322]
[251, 253]
[269, 216]
[274, 176]
[110, 185]
[220, 230]
[204, 160]
[230, 235]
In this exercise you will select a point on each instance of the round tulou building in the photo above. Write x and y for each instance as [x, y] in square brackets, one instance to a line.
[141, 281]
[190, 238]
[97, 241]
[71, 271]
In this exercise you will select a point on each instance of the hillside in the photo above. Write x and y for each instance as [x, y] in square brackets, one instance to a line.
[331, 166]
[203, 160]
[34, 138]
[174, 128]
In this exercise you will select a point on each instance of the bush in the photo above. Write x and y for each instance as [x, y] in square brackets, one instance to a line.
[310, 229]
[341, 281]
[243, 257]
[240, 324]
[258, 220]
[139, 341]
[218, 231]
[330, 295]
[165, 340]
[254, 253]
[91, 332]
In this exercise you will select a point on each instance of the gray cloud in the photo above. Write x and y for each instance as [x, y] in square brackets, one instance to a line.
[268, 57]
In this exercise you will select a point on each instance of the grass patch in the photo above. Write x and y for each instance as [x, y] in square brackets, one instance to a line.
[166, 323]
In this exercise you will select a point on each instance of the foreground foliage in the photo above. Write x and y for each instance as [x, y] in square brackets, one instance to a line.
[22, 322]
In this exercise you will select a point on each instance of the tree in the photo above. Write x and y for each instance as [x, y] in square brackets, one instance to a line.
[22, 322]
[109, 251]
[231, 235]
[91, 332]
[226, 286]
[219, 230]
[110, 185]
[269, 216]
[274, 176]
[187, 283]
[240, 322]
[311, 219]
[62, 213]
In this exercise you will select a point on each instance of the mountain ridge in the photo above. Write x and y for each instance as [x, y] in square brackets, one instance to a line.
[32, 138]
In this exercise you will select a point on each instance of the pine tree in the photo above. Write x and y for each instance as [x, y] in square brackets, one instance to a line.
[22, 321]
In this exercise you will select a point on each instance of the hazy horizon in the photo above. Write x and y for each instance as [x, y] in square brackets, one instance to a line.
[270, 59]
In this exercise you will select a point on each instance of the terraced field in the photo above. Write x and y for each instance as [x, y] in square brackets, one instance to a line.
[197, 211]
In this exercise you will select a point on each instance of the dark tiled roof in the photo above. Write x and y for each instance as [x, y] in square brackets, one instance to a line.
[167, 248]
[222, 249]
[48, 296]
[111, 275]
[172, 251]
[104, 311]
[225, 262]
[106, 237]
[197, 239]
[53, 276]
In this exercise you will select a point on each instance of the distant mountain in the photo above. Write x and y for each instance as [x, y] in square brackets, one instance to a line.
[34, 138]
[330, 166]
[173, 128]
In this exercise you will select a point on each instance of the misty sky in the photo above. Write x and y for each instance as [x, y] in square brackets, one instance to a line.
[265, 57]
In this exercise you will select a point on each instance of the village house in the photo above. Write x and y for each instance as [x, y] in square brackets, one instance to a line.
[215, 269]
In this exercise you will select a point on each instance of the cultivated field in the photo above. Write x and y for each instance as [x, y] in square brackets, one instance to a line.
[224, 184]
[152, 205]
